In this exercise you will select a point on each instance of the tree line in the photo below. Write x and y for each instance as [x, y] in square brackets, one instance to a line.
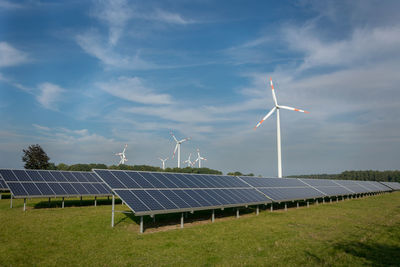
[368, 175]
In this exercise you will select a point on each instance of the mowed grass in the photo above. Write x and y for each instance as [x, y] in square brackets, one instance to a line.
[357, 232]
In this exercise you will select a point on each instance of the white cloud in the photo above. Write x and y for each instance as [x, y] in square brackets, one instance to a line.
[10, 56]
[9, 5]
[49, 95]
[168, 17]
[133, 89]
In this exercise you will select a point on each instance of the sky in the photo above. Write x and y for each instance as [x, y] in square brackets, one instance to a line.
[83, 78]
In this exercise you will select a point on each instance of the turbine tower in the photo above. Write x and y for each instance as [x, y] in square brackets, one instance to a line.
[189, 162]
[122, 155]
[178, 147]
[199, 158]
[278, 125]
[163, 162]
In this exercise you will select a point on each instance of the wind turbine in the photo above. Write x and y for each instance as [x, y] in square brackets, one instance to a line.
[178, 147]
[189, 162]
[163, 162]
[199, 158]
[278, 125]
[122, 155]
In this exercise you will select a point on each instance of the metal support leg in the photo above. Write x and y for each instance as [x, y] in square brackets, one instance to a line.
[297, 204]
[24, 204]
[154, 218]
[108, 197]
[337, 199]
[95, 201]
[285, 206]
[323, 200]
[11, 198]
[182, 220]
[0, 195]
[141, 224]
[112, 211]
[330, 200]
[213, 216]
[62, 202]
[257, 210]
[80, 201]
[49, 203]
[317, 202]
[272, 207]
[308, 204]
[237, 213]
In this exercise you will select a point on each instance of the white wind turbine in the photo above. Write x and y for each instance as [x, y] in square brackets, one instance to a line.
[178, 147]
[163, 162]
[122, 155]
[199, 158]
[189, 162]
[278, 125]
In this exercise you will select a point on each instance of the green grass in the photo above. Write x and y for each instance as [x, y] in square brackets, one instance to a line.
[356, 232]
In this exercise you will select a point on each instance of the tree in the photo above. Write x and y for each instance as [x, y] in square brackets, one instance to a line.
[35, 158]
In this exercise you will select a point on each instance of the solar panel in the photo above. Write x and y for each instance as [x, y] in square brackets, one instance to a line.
[358, 187]
[283, 189]
[328, 187]
[392, 185]
[148, 193]
[44, 183]
[3, 185]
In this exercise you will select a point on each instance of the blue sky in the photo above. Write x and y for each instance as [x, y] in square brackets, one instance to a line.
[82, 78]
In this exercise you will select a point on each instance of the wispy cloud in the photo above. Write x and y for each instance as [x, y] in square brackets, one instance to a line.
[49, 95]
[4, 4]
[133, 89]
[10, 56]
[168, 17]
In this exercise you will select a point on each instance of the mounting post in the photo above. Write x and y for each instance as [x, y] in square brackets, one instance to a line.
[317, 202]
[285, 206]
[141, 224]
[308, 204]
[62, 205]
[213, 216]
[297, 204]
[257, 210]
[112, 211]
[11, 201]
[0, 195]
[49, 202]
[182, 220]
[95, 201]
[272, 207]
[330, 200]
[237, 213]
[323, 200]
[24, 204]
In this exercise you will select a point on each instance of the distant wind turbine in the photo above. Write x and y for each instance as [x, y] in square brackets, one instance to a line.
[189, 162]
[178, 147]
[122, 155]
[199, 158]
[278, 125]
[163, 162]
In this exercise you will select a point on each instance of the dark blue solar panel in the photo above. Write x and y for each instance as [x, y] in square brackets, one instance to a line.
[67, 187]
[110, 179]
[165, 180]
[58, 176]
[31, 189]
[208, 197]
[92, 177]
[45, 189]
[196, 195]
[184, 182]
[35, 176]
[69, 177]
[3, 185]
[102, 189]
[139, 179]
[228, 197]
[214, 181]
[214, 194]
[146, 198]
[242, 195]
[90, 188]
[185, 197]
[22, 175]
[284, 194]
[392, 185]
[238, 198]
[8, 175]
[196, 180]
[174, 180]
[153, 180]
[79, 187]
[17, 189]
[126, 180]
[57, 189]
[132, 201]
[80, 177]
[333, 190]
[202, 180]
[47, 176]
[160, 198]
[318, 182]
[175, 199]
[272, 182]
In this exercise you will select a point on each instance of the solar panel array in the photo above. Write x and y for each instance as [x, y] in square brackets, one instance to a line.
[154, 192]
[328, 187]
[392, 185]
[3, 185]
[43, 183]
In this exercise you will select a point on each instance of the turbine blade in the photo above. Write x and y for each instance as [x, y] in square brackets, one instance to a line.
[176, 147]
[185, 139]
[266, 117]
[273, 92]
[294, 109]
[173, 136]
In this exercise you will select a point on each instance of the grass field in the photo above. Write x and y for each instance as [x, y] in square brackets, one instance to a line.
[355, 232]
